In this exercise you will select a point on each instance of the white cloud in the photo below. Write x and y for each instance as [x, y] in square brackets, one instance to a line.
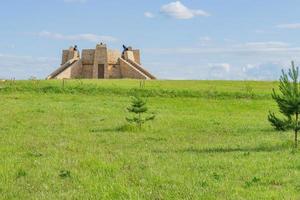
[23, 67]
[149, 15]
[205, 39]
[8, 46]
[289, 26]
[85, 37]
[265, 45]
[263, 71]
[75, 1]
[179, 11]
[225, 67]
[249, 47]
[218, 70]
[259, 31]
[248, 66]
[229, 40]
[236, 61]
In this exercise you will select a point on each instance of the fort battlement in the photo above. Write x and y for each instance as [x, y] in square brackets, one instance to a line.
[101, 63]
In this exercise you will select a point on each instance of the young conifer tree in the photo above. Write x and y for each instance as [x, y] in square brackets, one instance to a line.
[139, 108]
[288, 102]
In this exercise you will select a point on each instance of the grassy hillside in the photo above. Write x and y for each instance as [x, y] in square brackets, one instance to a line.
[211, 140]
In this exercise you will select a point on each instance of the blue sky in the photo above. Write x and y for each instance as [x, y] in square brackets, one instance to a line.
[188, 39]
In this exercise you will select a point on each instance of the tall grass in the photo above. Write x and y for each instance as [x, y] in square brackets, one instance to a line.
[94, 88]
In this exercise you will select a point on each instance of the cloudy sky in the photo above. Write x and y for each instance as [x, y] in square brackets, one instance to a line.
[188, 39]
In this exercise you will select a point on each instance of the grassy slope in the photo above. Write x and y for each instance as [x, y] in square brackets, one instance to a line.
[210, 140]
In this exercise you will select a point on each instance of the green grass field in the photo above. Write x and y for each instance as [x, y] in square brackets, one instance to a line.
[210, 140]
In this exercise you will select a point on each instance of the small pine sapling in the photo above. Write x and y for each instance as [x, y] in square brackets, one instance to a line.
[288, 102]
[139, 108]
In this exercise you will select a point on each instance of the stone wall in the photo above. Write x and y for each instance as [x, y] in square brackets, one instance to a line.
[87, 71]
[137, 56]
[65, 56]
[114, 71]
[129, 55]
[88, 56]
[74, 71]
[128, 71]
[113, 56]
[73, 54]
[100, 58]
[113, 65]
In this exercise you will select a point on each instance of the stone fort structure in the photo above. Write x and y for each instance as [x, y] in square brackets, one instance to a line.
[101, 63]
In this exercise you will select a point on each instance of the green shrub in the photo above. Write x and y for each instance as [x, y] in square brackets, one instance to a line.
[138, 107]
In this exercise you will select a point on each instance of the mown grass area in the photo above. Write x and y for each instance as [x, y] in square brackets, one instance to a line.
[210, 140]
